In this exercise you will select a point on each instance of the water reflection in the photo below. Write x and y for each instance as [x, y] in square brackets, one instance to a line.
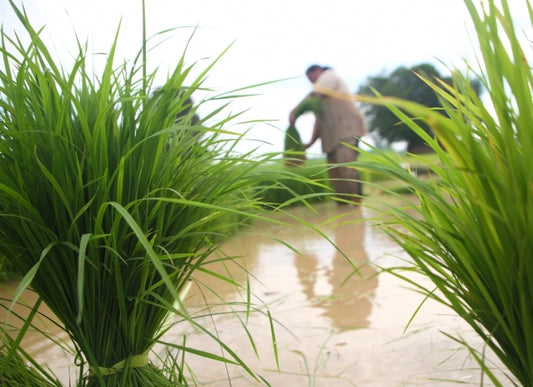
[330, 265]
[346, 300]
[225, 272]
[318, 303]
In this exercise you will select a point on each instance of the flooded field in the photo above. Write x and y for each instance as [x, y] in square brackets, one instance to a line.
[332, 326]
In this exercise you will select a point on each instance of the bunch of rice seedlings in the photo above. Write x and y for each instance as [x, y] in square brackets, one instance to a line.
[20, 369]
[294, 149]
[20, 374]
[110, 199]
[472, 232]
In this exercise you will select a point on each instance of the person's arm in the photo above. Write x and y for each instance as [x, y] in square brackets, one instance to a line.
[313, 103]
[292, 117]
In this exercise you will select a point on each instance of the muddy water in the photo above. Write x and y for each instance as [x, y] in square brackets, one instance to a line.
[332, 326]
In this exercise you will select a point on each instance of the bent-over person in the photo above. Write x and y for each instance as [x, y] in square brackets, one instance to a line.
[337, 122]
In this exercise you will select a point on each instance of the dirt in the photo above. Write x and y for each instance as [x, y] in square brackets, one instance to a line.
[336, 318]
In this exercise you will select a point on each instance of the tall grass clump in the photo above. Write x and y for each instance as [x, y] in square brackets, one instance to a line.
[20, 369]
[472, 232]
[110, 198]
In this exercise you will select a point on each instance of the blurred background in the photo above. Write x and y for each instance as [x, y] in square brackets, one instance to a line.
[270, 41]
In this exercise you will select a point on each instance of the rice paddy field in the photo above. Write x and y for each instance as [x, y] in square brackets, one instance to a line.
[148, 253]
[331, 328]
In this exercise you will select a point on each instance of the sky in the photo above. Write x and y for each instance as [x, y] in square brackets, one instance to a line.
[268, 41]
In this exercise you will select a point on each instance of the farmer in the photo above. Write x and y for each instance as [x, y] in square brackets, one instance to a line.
[338, 124]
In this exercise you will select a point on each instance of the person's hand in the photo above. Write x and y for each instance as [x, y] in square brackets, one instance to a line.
[292, 119]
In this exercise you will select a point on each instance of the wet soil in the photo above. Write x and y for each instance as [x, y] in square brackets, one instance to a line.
[325, 311]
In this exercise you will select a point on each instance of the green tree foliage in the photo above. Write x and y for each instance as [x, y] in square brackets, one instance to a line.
[404, 83]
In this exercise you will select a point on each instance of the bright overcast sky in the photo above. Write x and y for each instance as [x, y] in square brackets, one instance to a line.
[276, 39]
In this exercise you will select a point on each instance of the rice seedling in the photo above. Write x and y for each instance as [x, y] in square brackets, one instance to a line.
[19, 368]
[294, 149]
[281, 186]
[471, 230]
[110, 198]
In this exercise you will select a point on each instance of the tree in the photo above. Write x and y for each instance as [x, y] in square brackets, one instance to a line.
[403, 83]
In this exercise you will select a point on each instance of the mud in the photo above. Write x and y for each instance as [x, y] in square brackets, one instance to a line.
[325, 313]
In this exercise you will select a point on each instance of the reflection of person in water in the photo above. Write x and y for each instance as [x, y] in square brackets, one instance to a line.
[307, 270]
[349, 303]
